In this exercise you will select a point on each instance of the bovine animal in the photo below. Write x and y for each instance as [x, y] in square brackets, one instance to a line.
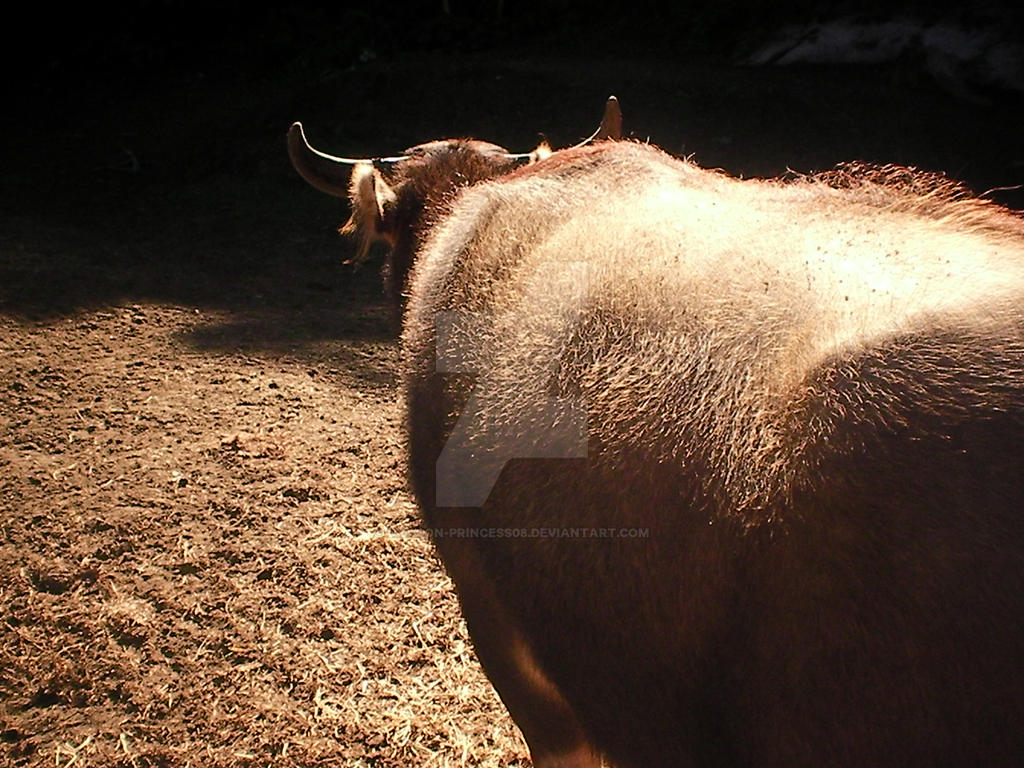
[726, 473]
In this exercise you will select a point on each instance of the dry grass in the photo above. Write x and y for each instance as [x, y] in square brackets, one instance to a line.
[209, 558]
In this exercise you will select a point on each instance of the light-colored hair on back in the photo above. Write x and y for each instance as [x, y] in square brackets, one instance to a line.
[910, 190]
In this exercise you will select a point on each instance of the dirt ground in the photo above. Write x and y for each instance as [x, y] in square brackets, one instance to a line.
[209, 555]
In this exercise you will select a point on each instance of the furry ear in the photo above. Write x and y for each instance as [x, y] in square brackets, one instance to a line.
[542, 152]
[371, 198]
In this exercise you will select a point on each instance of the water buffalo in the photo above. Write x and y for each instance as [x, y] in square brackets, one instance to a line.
[726, 472]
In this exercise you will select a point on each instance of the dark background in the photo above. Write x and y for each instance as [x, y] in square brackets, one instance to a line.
[143, 145]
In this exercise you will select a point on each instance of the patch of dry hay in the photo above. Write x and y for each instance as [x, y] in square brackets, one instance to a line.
[210, 559]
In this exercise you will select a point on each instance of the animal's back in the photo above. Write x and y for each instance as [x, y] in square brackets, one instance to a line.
[788, 418]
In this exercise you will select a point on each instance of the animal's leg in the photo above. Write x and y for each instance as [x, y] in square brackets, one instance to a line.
[550, 727]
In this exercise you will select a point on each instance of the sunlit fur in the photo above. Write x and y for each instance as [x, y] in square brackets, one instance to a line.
[370, 197]
[810, 393]
[399, 201]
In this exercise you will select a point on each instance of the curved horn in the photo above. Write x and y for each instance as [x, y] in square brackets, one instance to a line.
[327, 173]
[610, 127]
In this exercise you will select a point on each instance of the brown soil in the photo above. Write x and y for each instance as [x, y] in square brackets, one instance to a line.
[209, 555]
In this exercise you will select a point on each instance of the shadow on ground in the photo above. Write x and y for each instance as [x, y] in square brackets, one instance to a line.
[186, 197]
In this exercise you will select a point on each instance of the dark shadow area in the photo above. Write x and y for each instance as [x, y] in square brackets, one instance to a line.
[149, 166]
[354, 344]
[288, 330]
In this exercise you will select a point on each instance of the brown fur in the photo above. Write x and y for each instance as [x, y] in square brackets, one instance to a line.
[750, 451]
[810, 394]
[399, 202]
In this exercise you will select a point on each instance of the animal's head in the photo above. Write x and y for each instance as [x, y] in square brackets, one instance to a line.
[396, 199]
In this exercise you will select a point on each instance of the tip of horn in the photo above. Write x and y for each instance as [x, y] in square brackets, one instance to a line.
[296, 138]
[611, 122]
[296, 135]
